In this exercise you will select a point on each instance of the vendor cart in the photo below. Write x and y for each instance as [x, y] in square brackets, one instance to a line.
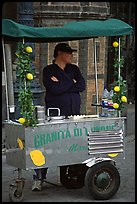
[82, 146]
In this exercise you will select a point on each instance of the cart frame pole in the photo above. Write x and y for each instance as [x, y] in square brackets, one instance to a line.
[5, 71]
[119, 58]
[119, 113]
[96, 78]
[25, 85]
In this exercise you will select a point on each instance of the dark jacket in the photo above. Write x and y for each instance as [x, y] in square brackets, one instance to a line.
[64, 94]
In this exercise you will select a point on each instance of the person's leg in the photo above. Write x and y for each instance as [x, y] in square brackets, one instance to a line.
[43, 173]
[39, 178]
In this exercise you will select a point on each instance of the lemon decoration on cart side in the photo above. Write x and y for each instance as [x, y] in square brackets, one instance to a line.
[20, 143]
[29, 76]
[28, 49]
[113, 154]
[37, 157]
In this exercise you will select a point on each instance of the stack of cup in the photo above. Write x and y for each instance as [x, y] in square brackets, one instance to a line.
[41, 114]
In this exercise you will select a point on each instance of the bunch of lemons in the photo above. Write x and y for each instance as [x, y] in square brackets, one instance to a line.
[29, 50]
[122, 98]
[119, 86]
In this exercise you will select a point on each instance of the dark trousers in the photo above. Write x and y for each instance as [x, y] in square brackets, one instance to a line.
[40, 173]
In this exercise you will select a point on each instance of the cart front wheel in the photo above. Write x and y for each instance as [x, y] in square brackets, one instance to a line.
[102, 181]
[16, 193]
[72, 176]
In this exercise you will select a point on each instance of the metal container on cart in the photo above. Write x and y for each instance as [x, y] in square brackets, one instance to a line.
[62, 142]
[75, 145]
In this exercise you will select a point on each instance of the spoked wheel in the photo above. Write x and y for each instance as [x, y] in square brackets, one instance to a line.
[102, 180]
[73, 176]
[16, 193]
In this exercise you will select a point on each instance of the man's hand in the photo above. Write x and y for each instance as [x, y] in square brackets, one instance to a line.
[54, 79]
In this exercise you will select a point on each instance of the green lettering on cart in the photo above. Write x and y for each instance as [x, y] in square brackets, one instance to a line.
[68, 134]
[54, 136]
[41, 139]
[61, 134]
[73, 148]
[86, 131]
[48, 139]
[37, 142]
[77, 147]
[77, 132]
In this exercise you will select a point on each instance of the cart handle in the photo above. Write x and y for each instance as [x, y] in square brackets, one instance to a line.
[48, 111]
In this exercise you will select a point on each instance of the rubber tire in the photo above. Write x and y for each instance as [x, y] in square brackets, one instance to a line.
[13, 197]
[73, 176]
[91, 186]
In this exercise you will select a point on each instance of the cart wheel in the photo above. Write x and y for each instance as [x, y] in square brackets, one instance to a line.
[102, 180]
[16, 193]
[73, 176]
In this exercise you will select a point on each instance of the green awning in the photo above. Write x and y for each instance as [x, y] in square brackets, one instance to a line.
[70, 31]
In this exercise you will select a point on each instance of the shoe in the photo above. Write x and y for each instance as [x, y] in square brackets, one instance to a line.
[37, 185]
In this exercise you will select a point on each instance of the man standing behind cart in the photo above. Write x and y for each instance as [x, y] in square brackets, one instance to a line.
[63, 82]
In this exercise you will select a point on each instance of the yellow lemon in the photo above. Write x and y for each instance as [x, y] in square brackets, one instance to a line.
[124, 99]
[37, 157]
[21, 120]
[29, 76]
[20, 143]
[115, 105]
[113, 154]
[115, 44]
[116, 88]
[17, 55]
[28, 49]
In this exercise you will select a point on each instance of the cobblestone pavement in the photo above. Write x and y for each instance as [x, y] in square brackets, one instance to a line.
[58, 193]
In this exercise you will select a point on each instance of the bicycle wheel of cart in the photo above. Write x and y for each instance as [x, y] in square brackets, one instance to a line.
[102, 181]
[73, 176]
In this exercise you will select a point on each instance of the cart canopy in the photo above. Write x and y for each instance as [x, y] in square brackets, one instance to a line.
[70, 31]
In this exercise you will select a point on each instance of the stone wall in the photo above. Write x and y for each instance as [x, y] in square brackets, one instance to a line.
[58, 13]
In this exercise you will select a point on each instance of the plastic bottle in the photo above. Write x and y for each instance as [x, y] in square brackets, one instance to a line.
[111, 110]
[105, 95]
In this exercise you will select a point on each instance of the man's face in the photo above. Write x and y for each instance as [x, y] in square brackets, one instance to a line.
[66, 57]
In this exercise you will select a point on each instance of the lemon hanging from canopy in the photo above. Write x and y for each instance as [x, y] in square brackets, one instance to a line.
[116, 88]
[21, 120]
[115, 44]
[28, 49]
[124, 99]
[29, 76]
[115, 105]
